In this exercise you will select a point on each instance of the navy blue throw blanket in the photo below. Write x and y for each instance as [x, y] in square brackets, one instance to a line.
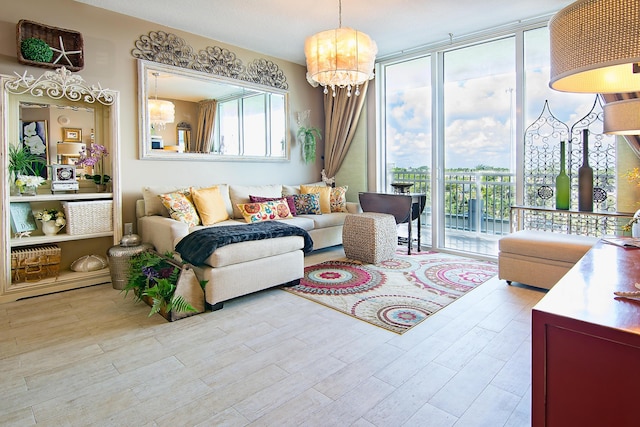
[197, 246]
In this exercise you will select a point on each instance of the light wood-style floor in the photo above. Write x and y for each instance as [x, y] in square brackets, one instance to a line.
[90, 357]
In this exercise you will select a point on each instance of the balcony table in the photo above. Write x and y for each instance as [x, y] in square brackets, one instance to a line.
[404, 207]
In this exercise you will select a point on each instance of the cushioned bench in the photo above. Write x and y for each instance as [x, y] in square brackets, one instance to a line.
[540, 258]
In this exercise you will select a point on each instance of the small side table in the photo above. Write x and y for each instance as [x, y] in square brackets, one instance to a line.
[369, 237]
[119, 257]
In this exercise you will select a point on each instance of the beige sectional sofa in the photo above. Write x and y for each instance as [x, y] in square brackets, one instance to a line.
[245, 267]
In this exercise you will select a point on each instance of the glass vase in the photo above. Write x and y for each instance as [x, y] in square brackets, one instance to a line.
[27, 190]
[563, 183]
[585, 177]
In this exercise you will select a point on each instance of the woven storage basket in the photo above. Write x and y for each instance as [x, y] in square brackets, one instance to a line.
[35, 263]
[89, 217]
[51, 35]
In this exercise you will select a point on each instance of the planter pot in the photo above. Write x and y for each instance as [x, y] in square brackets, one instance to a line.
[635, 228]
[27, 190]
[49, 228]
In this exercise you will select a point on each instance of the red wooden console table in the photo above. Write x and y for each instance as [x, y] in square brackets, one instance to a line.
[586, 344]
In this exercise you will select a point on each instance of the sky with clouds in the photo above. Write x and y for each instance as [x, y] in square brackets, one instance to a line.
[479, 103]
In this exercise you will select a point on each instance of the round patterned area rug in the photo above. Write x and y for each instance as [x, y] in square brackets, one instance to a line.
[396, 294]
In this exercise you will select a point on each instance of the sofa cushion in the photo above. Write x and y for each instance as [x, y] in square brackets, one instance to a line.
[291, 190]
[290, 201]
[325, 195]
[547, 245]
[326, 220]
[239, 194]
[302, 222]
[180, 206]
[339, 199]
[252, 250]
[308, 204]
[209, 204]
[152, 203]
[266, 211]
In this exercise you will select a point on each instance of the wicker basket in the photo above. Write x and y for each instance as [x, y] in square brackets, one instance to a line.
[35, 263]
[89, 217]
[51, 35]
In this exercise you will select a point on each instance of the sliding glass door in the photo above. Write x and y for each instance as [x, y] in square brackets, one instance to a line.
[479, 143]
[407, 124]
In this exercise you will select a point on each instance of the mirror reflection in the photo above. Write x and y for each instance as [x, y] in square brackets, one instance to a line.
[57, 133]
[188, 115]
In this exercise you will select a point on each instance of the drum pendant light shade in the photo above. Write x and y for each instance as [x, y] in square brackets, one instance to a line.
[622, 117]
[595, 47]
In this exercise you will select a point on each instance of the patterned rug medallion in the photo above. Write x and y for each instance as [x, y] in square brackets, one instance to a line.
[397, 294]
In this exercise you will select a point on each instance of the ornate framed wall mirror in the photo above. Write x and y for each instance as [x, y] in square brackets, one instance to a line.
[192, 115]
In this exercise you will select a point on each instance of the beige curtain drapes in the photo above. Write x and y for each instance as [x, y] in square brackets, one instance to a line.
[632, 140]
[341, 114]
[202, 143]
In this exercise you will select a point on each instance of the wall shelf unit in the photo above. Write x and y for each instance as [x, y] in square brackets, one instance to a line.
[57, 89]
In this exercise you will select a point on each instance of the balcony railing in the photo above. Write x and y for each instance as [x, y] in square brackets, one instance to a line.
[477, 201]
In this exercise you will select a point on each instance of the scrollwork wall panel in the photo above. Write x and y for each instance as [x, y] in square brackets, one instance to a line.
[167, 48]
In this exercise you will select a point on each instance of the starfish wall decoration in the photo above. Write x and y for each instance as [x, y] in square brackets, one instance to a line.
[63, 53]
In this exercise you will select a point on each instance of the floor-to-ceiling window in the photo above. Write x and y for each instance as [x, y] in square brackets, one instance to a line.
[466, 105]
[407, 124]
[479, 142]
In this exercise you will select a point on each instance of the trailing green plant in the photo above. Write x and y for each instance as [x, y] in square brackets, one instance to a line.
[308, 137]
[155, 276]
[23, 162]
[36, 50]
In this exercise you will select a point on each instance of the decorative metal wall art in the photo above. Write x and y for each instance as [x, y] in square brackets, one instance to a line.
[59, 84]
[167, 48]
[542, 158]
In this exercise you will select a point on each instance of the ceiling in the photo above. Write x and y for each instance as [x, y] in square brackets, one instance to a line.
[278, 28]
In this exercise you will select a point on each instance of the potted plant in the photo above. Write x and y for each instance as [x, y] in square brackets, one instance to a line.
[53, 220]
[23, 162]
[94, 156]
[153, 278]
[308, 137]
[633, 225]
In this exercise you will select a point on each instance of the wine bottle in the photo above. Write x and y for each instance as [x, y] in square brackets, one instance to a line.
[585, 177]
[563, 183]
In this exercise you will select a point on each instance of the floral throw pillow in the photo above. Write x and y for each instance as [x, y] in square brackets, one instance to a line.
[339, 199]
[325, 195]
[266, 211]
[290, 202]
[180, 206]
[307, 204]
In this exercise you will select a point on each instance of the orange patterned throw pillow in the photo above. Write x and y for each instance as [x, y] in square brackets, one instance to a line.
[180, 207]
[339, 199]
[266, 211]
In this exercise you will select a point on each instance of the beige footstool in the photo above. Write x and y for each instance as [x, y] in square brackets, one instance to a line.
[540, 258]
[370, 237]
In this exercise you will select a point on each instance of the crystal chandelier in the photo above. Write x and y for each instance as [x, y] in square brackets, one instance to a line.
[341, 58]
[160, 112]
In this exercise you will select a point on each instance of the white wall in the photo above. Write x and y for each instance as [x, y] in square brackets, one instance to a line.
[108, 41]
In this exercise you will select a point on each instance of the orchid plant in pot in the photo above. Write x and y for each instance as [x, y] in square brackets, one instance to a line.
[94, 156]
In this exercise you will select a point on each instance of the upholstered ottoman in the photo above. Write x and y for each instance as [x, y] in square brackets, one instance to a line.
[370, 237]
[540, 258]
